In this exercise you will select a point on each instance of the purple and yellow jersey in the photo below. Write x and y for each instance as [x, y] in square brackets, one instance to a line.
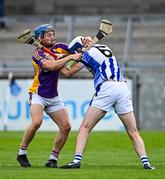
[45, 81]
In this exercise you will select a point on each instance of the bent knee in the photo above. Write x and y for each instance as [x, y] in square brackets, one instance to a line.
[85, 127]
[66, 127]
[37, 123]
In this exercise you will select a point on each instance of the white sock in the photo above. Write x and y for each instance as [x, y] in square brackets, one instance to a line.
[144, 160]
[53, 157]
[22, 151]
[77, 157]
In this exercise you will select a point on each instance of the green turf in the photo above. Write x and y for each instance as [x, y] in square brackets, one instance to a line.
[109, 155]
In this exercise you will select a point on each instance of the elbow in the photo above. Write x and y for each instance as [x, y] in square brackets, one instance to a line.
[67, 74]
[52, 68]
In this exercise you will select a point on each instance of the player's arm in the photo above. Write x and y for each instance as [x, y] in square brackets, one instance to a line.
[51, 64]
[76, 46]
[76, 67]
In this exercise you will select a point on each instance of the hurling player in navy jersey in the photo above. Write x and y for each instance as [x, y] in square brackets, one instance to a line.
[111, 91]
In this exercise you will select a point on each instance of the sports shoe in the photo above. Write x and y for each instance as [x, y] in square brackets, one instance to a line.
[147, 166]
[23, 160]
[71, 165]
[51, 163]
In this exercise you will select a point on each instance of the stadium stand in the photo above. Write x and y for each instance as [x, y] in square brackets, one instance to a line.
[79, 7]
[146, 48]
[143, 47]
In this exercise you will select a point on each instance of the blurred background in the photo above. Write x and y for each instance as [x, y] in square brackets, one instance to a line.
[138, 42]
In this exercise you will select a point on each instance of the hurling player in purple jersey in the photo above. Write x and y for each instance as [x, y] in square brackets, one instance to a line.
[43, 94]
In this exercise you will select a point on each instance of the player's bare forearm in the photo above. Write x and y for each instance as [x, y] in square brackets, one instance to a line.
[77, 67]
[52, 64]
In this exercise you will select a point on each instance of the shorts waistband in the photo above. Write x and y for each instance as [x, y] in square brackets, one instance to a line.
[111, 80]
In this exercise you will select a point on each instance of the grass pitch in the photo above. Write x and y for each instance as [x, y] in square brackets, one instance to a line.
[109, 155]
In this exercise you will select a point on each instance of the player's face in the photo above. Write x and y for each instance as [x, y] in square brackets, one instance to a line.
[86, 41]
[49, 39]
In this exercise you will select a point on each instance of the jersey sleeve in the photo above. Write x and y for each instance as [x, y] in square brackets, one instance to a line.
[75, 44]
[38, 57]
[61, 48]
